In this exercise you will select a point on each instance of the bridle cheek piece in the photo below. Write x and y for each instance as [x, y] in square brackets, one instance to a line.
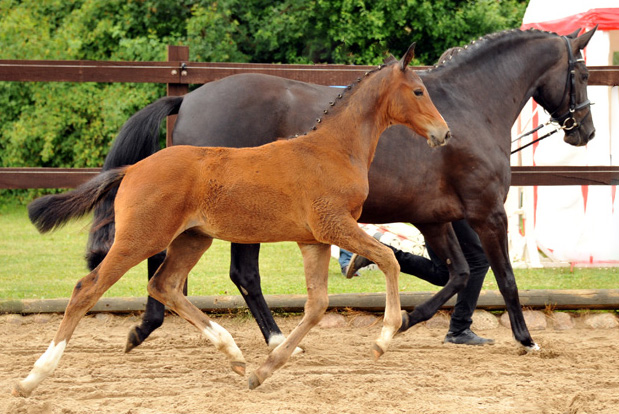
[567, 121]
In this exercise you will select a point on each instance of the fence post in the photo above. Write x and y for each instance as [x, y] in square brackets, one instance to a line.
[176, 54]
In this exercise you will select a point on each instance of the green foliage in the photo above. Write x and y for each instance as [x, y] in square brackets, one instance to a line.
[342, 31]
[35, 266]
[72, 125]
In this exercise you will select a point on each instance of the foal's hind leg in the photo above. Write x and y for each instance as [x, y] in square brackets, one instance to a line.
[85, 294]
[316, 263]
[167, 287]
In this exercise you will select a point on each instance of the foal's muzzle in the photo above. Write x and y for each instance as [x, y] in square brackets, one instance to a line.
[439, 137]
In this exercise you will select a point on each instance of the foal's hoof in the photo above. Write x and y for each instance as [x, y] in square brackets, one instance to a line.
[133, 339]
[238, 367]
[19, 391]
[377, 352]
[254, 381]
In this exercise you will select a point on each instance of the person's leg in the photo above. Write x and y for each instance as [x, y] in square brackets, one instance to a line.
[344, 259]
[434, 271]
[461, 319]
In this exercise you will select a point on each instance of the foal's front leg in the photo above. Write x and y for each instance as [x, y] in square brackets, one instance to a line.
[316, 264]
[357, 241]
[245, 274]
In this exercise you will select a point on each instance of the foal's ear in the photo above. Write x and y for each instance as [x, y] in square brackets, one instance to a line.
[389, 59]
[408, 56]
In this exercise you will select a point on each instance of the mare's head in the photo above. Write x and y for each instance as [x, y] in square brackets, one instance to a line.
[410, 103]
[563, 90]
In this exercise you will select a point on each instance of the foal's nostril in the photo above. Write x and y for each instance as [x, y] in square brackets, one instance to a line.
[448, 135]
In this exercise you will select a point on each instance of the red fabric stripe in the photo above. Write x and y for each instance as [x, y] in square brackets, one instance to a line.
[606, 18]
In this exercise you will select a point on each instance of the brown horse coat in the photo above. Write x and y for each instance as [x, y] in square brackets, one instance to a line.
[310, 190]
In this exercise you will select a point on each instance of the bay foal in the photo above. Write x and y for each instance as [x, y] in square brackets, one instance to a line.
[310, 190]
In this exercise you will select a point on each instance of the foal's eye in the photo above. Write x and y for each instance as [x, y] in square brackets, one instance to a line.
[418, 92]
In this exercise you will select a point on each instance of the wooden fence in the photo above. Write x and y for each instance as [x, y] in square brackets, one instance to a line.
[178, 73]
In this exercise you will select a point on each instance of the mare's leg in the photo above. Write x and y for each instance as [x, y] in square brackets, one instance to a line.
[466, 301]
[445, 245]
[245, 274]
[121, 257]
[167, 287]
[492, 231]
[153, 313]
[316, 264]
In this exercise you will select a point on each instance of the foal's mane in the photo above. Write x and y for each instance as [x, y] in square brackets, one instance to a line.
[342, 98]
[456, 55]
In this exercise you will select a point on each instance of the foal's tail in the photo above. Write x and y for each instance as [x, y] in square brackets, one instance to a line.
[55, 210]
[137, 139]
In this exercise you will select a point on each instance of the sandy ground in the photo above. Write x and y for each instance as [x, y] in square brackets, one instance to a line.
[177, 371]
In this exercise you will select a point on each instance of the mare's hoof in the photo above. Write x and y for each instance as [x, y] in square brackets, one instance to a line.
[19, 391]
[377, 352]
[532, 348]
[405, 321]
[133, 339]
[238, 367]
[254, 381]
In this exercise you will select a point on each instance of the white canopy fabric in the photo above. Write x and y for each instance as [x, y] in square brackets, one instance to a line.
[575, 224]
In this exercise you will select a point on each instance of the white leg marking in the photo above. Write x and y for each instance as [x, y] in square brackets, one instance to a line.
[532, 348]
[223, 341]
[278, 339]
[386, 334]
[45, 365]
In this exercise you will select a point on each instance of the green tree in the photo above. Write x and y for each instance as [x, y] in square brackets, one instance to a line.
[72, 124]
[342, 31]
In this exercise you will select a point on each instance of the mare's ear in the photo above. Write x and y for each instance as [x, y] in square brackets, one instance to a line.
[580, 42]
[408, 56]
[389, 59]
[574, 34]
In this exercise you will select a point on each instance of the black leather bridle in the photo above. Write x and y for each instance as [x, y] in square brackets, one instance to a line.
[566, 121]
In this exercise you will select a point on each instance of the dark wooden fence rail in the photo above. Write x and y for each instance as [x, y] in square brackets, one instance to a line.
[178, 73]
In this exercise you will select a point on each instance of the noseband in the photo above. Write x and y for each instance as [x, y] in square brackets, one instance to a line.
[567, 120]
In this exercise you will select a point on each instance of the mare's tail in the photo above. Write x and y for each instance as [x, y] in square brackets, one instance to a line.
[137, 139]
[55, 210]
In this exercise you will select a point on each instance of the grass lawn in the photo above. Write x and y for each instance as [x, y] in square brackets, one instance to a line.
[35, 266]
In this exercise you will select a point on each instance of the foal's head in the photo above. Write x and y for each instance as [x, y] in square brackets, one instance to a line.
[410, 103]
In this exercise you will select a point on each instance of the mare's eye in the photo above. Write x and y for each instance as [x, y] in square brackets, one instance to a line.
[418, 92]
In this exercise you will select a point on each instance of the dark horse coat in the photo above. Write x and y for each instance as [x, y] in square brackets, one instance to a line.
[480, 91]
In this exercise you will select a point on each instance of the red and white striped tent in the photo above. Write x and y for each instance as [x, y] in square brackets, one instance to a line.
[571, 224]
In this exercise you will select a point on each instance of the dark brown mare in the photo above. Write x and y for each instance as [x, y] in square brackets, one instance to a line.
[310, 190]
[480, 91]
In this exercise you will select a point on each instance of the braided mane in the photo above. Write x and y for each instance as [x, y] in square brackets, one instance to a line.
[473, 47]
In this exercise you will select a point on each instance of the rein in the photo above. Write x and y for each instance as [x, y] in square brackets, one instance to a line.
[566, 121]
